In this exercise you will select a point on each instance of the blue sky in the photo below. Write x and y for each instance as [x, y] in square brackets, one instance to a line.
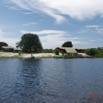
[54, 21]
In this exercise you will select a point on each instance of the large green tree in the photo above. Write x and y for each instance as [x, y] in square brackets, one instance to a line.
[67, 44]
[3, 44]
[30, 43]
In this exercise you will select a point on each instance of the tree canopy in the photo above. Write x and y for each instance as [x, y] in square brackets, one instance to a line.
[67, 44]
[3, 44]
[30, 43]
[95, 52]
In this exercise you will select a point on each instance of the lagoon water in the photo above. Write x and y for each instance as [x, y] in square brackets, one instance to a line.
[51, 80]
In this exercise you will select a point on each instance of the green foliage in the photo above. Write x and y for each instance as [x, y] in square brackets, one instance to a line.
[30, 43]
[67, 44]
[95, 52]
[92, 52]
[48, 51]
[57, 51]
[3, 44]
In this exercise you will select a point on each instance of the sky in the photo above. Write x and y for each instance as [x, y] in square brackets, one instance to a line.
[54, 21]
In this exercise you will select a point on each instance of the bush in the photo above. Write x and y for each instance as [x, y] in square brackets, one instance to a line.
[95, 52]
[57, 52]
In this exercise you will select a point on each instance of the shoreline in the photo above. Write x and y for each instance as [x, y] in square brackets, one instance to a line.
[25, 55]
[36, 55]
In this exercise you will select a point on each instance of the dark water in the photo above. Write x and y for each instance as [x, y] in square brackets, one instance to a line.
[51, 81]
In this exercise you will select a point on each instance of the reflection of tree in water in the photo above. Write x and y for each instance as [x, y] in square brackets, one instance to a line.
[28, 84]
[30, 72]
[92, 98]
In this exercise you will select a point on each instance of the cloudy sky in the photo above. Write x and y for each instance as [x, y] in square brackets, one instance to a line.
[54, 21]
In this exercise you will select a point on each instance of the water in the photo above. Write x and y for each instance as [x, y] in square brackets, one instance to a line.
[51, 80]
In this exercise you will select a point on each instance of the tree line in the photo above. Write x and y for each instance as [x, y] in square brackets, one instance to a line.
[31, 43]
[95, 52]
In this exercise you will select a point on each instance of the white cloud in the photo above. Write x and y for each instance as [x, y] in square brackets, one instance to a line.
[100, 30]
[2, 32]
[13, 8]
[29, 24]
[78, 9]
[28, 13]
[9, 40]
[92, 28]
[97, 28]
[54, 38]
[22, 4]
[45, 32]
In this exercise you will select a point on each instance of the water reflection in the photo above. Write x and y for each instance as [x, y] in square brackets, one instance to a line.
[28, 83]
[50, 80]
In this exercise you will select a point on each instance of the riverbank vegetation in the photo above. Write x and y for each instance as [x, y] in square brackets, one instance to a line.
[95, 52]
[30, 43]
[48, 51]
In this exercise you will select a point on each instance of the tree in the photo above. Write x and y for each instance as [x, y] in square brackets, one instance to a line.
[95, 52]
[67, 44]
[30, 43]
[92, 52]
[57, 51]
[3, 44]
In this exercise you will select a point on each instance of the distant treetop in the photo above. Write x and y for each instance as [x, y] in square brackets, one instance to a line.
[67, 44]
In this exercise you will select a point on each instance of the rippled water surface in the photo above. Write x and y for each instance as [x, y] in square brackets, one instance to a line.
[51, 80]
